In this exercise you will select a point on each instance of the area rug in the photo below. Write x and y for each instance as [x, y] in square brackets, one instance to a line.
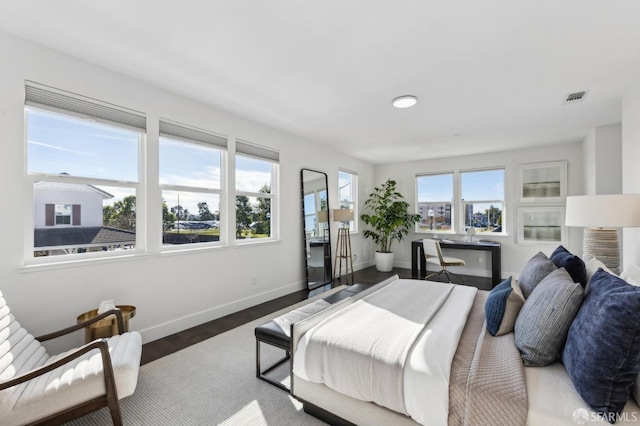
[211, 383]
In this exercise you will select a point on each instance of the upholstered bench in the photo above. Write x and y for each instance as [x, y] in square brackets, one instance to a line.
[277, 332]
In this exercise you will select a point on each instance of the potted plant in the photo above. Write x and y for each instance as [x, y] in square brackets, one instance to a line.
[390, 221]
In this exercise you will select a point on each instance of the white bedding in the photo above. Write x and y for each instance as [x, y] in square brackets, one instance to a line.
[405, 371]
[553, 400]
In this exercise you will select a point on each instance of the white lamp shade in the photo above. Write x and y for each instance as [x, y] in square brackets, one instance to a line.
[603, 211]
[342, 215]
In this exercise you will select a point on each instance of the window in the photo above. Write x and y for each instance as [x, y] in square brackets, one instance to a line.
[62, 213]
[435, 202]
[256, 191]
[191, 163]
[316, 216]
[482, 194]
[82, 158]
[348, 195]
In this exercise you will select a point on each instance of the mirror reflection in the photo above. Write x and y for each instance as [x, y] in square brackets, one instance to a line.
[317, 238]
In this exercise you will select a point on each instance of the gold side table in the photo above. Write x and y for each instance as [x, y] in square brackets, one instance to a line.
[105, 327]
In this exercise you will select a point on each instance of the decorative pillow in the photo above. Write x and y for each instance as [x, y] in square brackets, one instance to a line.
[562, 258]
[631, 274]
[538, 267]
[542, 326]
[502, 307]
[602, 353]
[592, 266]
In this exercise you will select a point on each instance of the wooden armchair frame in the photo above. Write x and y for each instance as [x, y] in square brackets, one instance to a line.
[109, 399]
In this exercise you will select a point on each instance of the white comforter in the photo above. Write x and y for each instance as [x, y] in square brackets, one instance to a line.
[393, 347]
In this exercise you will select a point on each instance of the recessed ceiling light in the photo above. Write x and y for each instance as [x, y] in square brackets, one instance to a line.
[404, 101]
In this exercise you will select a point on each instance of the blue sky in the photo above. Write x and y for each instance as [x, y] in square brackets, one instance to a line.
[480, 185]
[86, 148]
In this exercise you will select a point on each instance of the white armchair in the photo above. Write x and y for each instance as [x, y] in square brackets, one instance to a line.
[36, 388]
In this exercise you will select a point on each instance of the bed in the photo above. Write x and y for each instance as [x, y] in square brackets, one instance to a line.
[439, 365]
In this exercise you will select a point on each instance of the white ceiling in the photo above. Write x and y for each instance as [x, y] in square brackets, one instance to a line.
[490, 75]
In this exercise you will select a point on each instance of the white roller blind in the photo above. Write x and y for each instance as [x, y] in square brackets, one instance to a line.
[174, 130]
[252, 150]
[39, 95]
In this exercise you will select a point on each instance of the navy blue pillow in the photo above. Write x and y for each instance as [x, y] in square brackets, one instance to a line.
[602, 353]
[562, 258]
[502, 307]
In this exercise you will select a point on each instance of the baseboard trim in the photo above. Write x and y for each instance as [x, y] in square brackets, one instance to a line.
[179, 324]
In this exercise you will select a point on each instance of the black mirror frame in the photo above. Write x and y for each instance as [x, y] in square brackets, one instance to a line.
[326, 244]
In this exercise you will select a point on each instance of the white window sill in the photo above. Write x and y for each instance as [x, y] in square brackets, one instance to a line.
[437, 232]
[172, 250]
[74, 263]
[249, 242]
[71, 262]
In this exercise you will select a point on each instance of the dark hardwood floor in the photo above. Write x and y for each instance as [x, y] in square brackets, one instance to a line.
[175, 342]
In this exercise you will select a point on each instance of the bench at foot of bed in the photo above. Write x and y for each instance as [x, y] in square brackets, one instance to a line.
[277, 332]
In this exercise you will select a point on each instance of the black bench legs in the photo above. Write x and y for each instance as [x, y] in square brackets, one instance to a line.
[270, 333]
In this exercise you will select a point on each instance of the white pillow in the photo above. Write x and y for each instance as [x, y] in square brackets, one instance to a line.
[592, 266]
[631, 274]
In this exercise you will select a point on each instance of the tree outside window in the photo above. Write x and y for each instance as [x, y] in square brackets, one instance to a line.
[255, 195]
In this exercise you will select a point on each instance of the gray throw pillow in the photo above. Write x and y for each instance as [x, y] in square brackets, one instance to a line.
[544, 320]
[536, 269]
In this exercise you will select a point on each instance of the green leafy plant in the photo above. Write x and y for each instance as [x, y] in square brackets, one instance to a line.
[390, 219]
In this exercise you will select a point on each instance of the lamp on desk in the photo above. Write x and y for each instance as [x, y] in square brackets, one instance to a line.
[602, 216]
[343, 247]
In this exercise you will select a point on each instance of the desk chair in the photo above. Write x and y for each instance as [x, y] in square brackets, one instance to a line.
[433, 255]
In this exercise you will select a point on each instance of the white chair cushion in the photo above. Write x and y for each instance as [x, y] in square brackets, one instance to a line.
[77, 381]
[447, 261]
[73, 383]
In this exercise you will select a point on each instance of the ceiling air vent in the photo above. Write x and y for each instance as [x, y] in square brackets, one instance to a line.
[574, 98]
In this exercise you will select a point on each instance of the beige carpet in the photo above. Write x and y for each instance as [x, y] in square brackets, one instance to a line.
[211, 383]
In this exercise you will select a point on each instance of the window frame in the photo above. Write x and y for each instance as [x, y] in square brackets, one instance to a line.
[56, 215]
[273, 195]
[29, 249]
[353, 225]
[454, 208]
[464, 203]
[220, 192]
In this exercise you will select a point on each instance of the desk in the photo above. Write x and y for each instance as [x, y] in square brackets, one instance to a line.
[419, 264]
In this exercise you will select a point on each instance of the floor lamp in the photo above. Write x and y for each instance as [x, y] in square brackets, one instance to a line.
[602, 216]
[343, 247]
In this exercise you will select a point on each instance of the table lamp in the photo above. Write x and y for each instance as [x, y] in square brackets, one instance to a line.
[602, 216]
[343, 247]
[323, 219]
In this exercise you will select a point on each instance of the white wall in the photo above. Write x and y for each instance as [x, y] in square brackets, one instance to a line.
[513, 256]
[171, 291]
[602, 160]
[589, 157]
[630, 168]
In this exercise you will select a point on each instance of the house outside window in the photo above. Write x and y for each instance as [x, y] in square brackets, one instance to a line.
[435, 202]
[348, 195]
[83, 162]
[482, 193]
[191, 168]
[256, 192]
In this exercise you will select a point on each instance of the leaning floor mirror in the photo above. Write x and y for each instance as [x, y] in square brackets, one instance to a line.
[317, 237]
